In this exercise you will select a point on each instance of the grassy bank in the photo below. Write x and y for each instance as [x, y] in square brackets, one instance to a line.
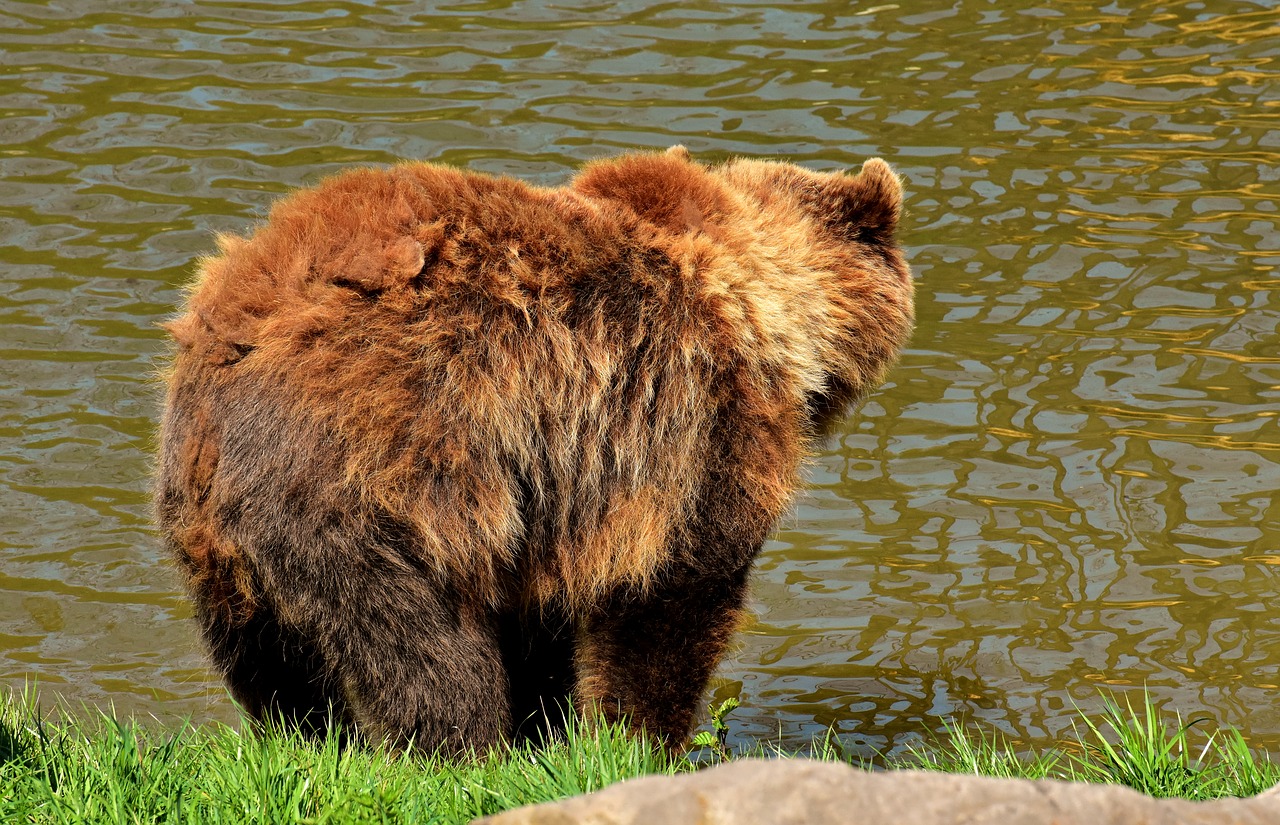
[57, 769]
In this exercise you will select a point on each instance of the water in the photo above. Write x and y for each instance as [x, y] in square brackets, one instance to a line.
[1067, 484]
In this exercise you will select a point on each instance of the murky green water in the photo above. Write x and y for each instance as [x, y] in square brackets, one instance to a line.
[1068, 483]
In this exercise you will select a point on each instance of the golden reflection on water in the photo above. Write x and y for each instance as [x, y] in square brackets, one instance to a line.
[1067, 484]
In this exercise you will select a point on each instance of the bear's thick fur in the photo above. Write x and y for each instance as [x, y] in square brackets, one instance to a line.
[441, 449]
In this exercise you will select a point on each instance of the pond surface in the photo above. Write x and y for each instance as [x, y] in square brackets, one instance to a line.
[1067, 484]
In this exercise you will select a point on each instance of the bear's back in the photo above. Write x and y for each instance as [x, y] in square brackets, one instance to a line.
[525, 377]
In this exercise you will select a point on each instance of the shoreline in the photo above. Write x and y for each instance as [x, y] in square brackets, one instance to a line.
[55, 767]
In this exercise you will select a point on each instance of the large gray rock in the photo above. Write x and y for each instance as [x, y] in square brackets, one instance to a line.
[782, 792]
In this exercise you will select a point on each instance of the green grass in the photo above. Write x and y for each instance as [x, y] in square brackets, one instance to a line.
[1134, 747]
[55, 768]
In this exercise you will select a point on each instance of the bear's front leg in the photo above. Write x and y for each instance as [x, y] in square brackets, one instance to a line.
[647, 656]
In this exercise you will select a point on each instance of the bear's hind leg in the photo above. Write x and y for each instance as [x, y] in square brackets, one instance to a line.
[417, 662]
[275, 675]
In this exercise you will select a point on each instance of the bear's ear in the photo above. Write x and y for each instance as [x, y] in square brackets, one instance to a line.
[872, 202]
[678, 151]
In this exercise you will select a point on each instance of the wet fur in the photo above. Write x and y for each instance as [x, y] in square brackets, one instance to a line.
[439, 448]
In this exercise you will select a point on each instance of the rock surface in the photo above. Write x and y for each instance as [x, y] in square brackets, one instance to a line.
[783, 792]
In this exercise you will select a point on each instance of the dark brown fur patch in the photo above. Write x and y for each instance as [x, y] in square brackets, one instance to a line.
[457, 443]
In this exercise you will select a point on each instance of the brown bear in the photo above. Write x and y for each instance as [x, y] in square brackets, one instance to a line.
[441, 450]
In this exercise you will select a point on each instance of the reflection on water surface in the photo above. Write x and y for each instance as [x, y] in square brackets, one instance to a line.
[1067, 484]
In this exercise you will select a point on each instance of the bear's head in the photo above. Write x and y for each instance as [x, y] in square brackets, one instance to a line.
[858, 209]
[806, 262]
[834, 237]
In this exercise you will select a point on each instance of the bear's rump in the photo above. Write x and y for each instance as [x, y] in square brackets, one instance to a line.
[537, 389]
[566, 458]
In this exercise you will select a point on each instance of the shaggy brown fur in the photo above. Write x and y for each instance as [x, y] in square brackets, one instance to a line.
[440, 449]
